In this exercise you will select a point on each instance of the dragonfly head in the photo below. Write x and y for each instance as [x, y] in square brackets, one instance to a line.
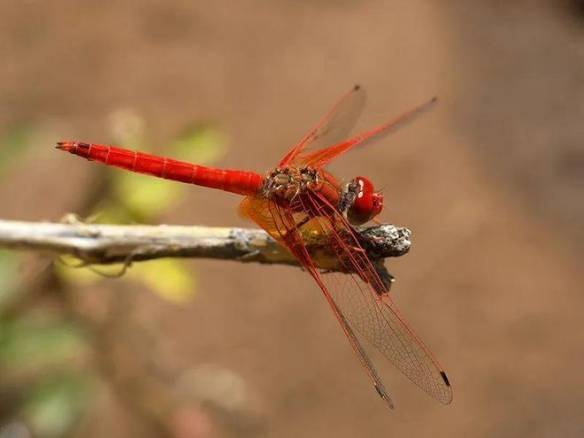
[368, 203]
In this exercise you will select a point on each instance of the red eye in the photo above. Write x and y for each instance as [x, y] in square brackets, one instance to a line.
[368, 203]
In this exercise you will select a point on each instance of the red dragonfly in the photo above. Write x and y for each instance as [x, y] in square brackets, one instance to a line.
[299, 200]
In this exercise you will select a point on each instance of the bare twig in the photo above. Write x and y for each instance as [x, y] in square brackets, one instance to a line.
[103, 244]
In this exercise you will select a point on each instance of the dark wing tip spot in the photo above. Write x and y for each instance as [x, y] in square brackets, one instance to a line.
[445, 378]
[384, 396]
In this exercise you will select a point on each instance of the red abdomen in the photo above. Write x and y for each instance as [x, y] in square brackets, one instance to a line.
[235, 181]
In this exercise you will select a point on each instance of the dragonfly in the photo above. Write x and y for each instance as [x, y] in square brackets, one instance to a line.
[300, 200]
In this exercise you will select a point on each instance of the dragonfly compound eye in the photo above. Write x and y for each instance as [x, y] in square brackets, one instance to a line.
[367, 204]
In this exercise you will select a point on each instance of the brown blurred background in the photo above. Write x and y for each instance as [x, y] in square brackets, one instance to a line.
[491, 183]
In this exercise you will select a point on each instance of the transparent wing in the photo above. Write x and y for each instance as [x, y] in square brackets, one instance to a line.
[364, 300]
[320, 158]
[358, 298]
[333, 127]
[281, 224]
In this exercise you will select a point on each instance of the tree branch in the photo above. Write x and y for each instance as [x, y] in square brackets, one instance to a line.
[104, 244]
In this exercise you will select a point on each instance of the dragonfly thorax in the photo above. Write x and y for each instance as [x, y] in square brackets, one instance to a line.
[288, 182]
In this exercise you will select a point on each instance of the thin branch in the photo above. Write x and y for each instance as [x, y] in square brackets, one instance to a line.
[104, 244]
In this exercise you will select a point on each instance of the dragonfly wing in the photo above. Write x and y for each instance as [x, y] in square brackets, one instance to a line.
[355, 297]
[281, 224]
[333, 127]
[363, 299]
[320, 158]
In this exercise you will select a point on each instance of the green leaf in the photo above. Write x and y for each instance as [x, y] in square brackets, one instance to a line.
[109, 211]
[200, 144]
[144, 196]
[168, 278]
[9, 264]
[55, 405]
[31, 344]
[69, 271]
[13, 143]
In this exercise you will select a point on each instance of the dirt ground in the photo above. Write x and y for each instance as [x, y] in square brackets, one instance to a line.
[491, 183]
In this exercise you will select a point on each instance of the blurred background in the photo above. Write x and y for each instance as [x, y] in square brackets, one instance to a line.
[491, 182]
